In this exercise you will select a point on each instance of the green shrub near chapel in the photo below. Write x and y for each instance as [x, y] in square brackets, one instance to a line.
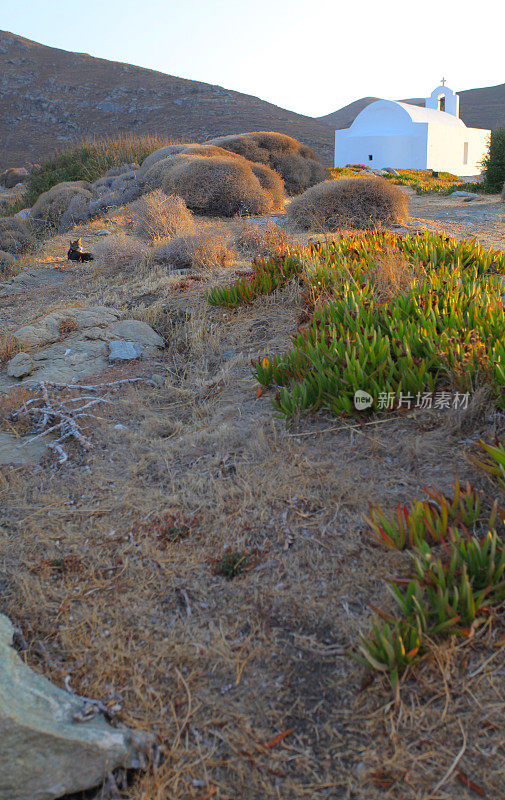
[494, 163]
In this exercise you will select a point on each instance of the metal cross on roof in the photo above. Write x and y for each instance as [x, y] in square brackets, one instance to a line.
[443, 81]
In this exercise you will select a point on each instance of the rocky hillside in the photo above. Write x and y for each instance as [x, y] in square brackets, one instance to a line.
[479, 108]
[49, 97]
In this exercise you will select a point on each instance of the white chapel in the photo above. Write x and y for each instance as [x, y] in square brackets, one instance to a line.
[392, 134]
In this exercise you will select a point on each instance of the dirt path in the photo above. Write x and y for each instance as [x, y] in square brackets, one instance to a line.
[483, 219]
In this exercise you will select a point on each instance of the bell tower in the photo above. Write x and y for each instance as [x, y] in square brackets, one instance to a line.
[443, 99]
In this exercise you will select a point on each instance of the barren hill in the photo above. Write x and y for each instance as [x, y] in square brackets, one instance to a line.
[479, 108]
[50, 97]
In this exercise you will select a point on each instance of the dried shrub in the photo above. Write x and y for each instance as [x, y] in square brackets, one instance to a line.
[158, 216]
[206, 150]
[77, 211]
[120, 252]
[67, 325]
[295, 162]
[9, 347]
[8, 265]
[272, 182]
[392, 274]
[11, 177]
[215, 185]
[254, 239]
[349, 203]
[16, 236]
[50, 207]
[206, 249]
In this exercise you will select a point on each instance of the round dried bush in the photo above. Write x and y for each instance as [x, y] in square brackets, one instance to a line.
[119, 253]
[11, 177]
[51, 205]
[215, 185]
[78, 211]
[254, 239]
[16, 236]
[7, 264]
[349, 203]
[272, 182]
[295, 162]
[159, 216]
[206, 249]
[205, 150]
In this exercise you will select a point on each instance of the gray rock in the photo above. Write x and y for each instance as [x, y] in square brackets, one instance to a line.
[16, 450]
[31, 279]
[391, 171]
[21, 365]
[465, 195]
[24, 213]
[135, 330]
[44, 751]
[47, 329]
[121, 350]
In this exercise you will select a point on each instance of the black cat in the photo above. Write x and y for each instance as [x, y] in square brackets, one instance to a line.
[75, 253]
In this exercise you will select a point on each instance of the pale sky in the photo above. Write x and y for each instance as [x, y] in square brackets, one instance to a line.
[309, 56]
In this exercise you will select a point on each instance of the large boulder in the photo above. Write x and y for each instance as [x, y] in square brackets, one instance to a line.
[49, 746]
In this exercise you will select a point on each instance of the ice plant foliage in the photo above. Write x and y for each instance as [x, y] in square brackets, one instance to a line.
[427, 520]
[423, 338]
[452, 591]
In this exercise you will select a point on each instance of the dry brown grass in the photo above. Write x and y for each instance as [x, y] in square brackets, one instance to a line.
[295, 162]
[255, 239]
[9, 347]
[392, 274]
[158, 216]
[349, 203]
[208, 248]
[67, 325]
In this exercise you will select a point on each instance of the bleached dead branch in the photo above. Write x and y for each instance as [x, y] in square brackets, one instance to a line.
[49, 414]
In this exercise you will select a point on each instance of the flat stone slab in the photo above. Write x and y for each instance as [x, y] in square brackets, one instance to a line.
[48, 329]
[17, 450]
[32, 279]
[45, 750]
